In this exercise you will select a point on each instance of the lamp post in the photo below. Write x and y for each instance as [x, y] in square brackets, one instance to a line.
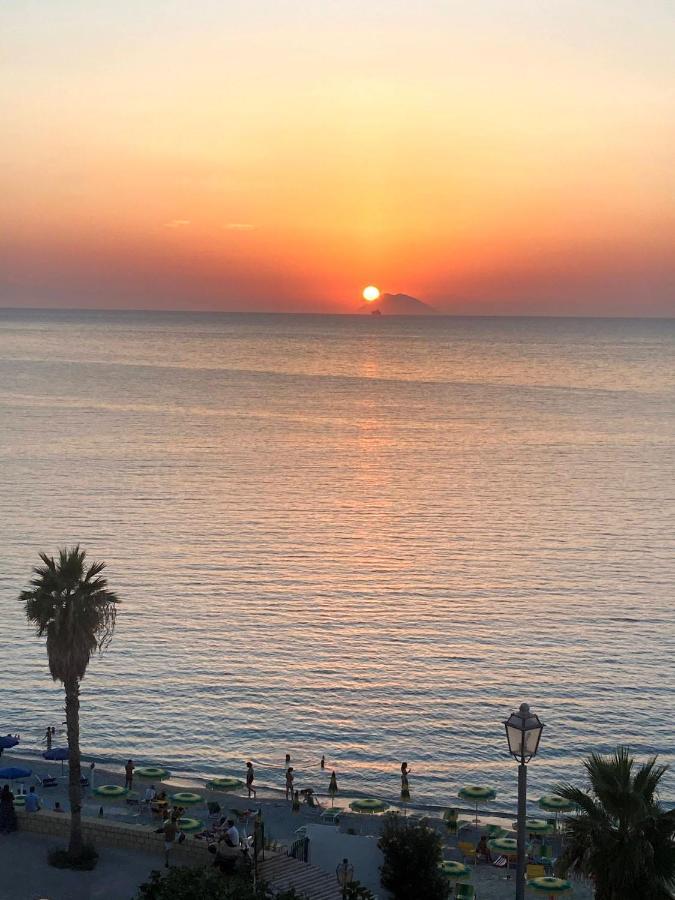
[523, 732]
[345, 876]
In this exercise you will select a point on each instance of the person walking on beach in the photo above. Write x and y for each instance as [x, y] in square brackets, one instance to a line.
[129, 774]
[49, 734]
[250, 778]
[170, 830]
[289, 783]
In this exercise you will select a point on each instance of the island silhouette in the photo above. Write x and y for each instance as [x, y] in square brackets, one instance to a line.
[397, 305]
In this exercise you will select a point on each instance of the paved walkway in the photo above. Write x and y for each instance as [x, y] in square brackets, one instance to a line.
[27, 876]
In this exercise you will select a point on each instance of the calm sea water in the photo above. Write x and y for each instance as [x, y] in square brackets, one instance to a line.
[368, 538]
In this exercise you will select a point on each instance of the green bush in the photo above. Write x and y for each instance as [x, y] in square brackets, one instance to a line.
[204, 884]
[61, 859]
[357, 891]
[412, 852]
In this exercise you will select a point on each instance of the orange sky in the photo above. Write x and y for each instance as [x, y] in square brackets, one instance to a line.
[510, 158]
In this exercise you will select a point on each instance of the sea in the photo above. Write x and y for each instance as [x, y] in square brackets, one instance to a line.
[364, 538]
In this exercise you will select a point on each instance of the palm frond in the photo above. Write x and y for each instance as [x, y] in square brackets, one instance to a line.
[73, 607]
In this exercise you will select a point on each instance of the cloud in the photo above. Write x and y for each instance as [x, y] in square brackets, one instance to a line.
[177, 223]
[239, 226]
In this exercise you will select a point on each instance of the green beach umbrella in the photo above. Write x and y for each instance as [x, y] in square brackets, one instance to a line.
[475, 793]
[547, 884]
[152, 773]
[188, 824]
[225, 783]
[453, 869]
[20, 800]
[368, 805]
[505, 845]
[186, 798]
[110, 792]
[495, 831]
[554, 803]
[535, 826]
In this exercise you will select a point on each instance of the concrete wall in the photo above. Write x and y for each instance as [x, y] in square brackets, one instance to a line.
[104, 833]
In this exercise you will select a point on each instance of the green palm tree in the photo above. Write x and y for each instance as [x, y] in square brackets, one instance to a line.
[71, 605]
[621, 838]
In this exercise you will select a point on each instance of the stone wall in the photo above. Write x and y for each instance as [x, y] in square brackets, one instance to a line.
[104, 833]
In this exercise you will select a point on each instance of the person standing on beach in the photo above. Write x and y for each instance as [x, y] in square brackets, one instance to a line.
[7, 813]
[289, 783]
[323, 762]
[129, 774]
[250, 778]
[170, 830]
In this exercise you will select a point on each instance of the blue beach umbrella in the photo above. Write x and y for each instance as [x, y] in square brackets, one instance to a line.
[13, 773]
[7, 741]
[60, 753]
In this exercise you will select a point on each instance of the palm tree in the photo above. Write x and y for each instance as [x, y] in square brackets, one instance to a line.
[621, 838]
[73, 607]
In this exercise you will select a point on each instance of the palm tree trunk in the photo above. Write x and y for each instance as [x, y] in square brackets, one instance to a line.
[72, 688]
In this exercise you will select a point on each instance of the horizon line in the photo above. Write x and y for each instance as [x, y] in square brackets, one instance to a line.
[355, 314]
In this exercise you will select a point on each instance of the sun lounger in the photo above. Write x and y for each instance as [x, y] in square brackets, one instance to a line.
[467, 850]
[46, 782]
[332, 816]
[535, 871]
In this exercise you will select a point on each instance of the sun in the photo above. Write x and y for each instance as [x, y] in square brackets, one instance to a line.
[370, 293]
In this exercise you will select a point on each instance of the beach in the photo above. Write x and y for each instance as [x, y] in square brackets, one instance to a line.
[354, 836]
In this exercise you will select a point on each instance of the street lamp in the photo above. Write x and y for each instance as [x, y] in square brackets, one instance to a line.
[523, 732]
[345, 876]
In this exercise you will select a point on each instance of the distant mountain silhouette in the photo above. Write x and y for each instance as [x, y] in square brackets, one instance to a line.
[398, 305]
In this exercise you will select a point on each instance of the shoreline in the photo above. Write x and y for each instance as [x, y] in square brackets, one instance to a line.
[109, 772]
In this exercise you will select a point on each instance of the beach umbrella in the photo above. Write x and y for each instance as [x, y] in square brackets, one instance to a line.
[454, 869]
[186, 798]
[7, 741]
[59, 753]
[333, 788]
[152, 773]
[555, 804]
[225, 783]
[475, 793]
[368, 805]
[13, 773]
[547, 884]
[535, 826]
[506, 846]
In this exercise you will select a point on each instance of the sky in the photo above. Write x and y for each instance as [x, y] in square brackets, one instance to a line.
[493, 157]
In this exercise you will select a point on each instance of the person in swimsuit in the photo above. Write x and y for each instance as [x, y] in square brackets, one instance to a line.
[289, 783]
[250, 778]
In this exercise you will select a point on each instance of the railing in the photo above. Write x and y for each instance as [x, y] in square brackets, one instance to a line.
[300, 849]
